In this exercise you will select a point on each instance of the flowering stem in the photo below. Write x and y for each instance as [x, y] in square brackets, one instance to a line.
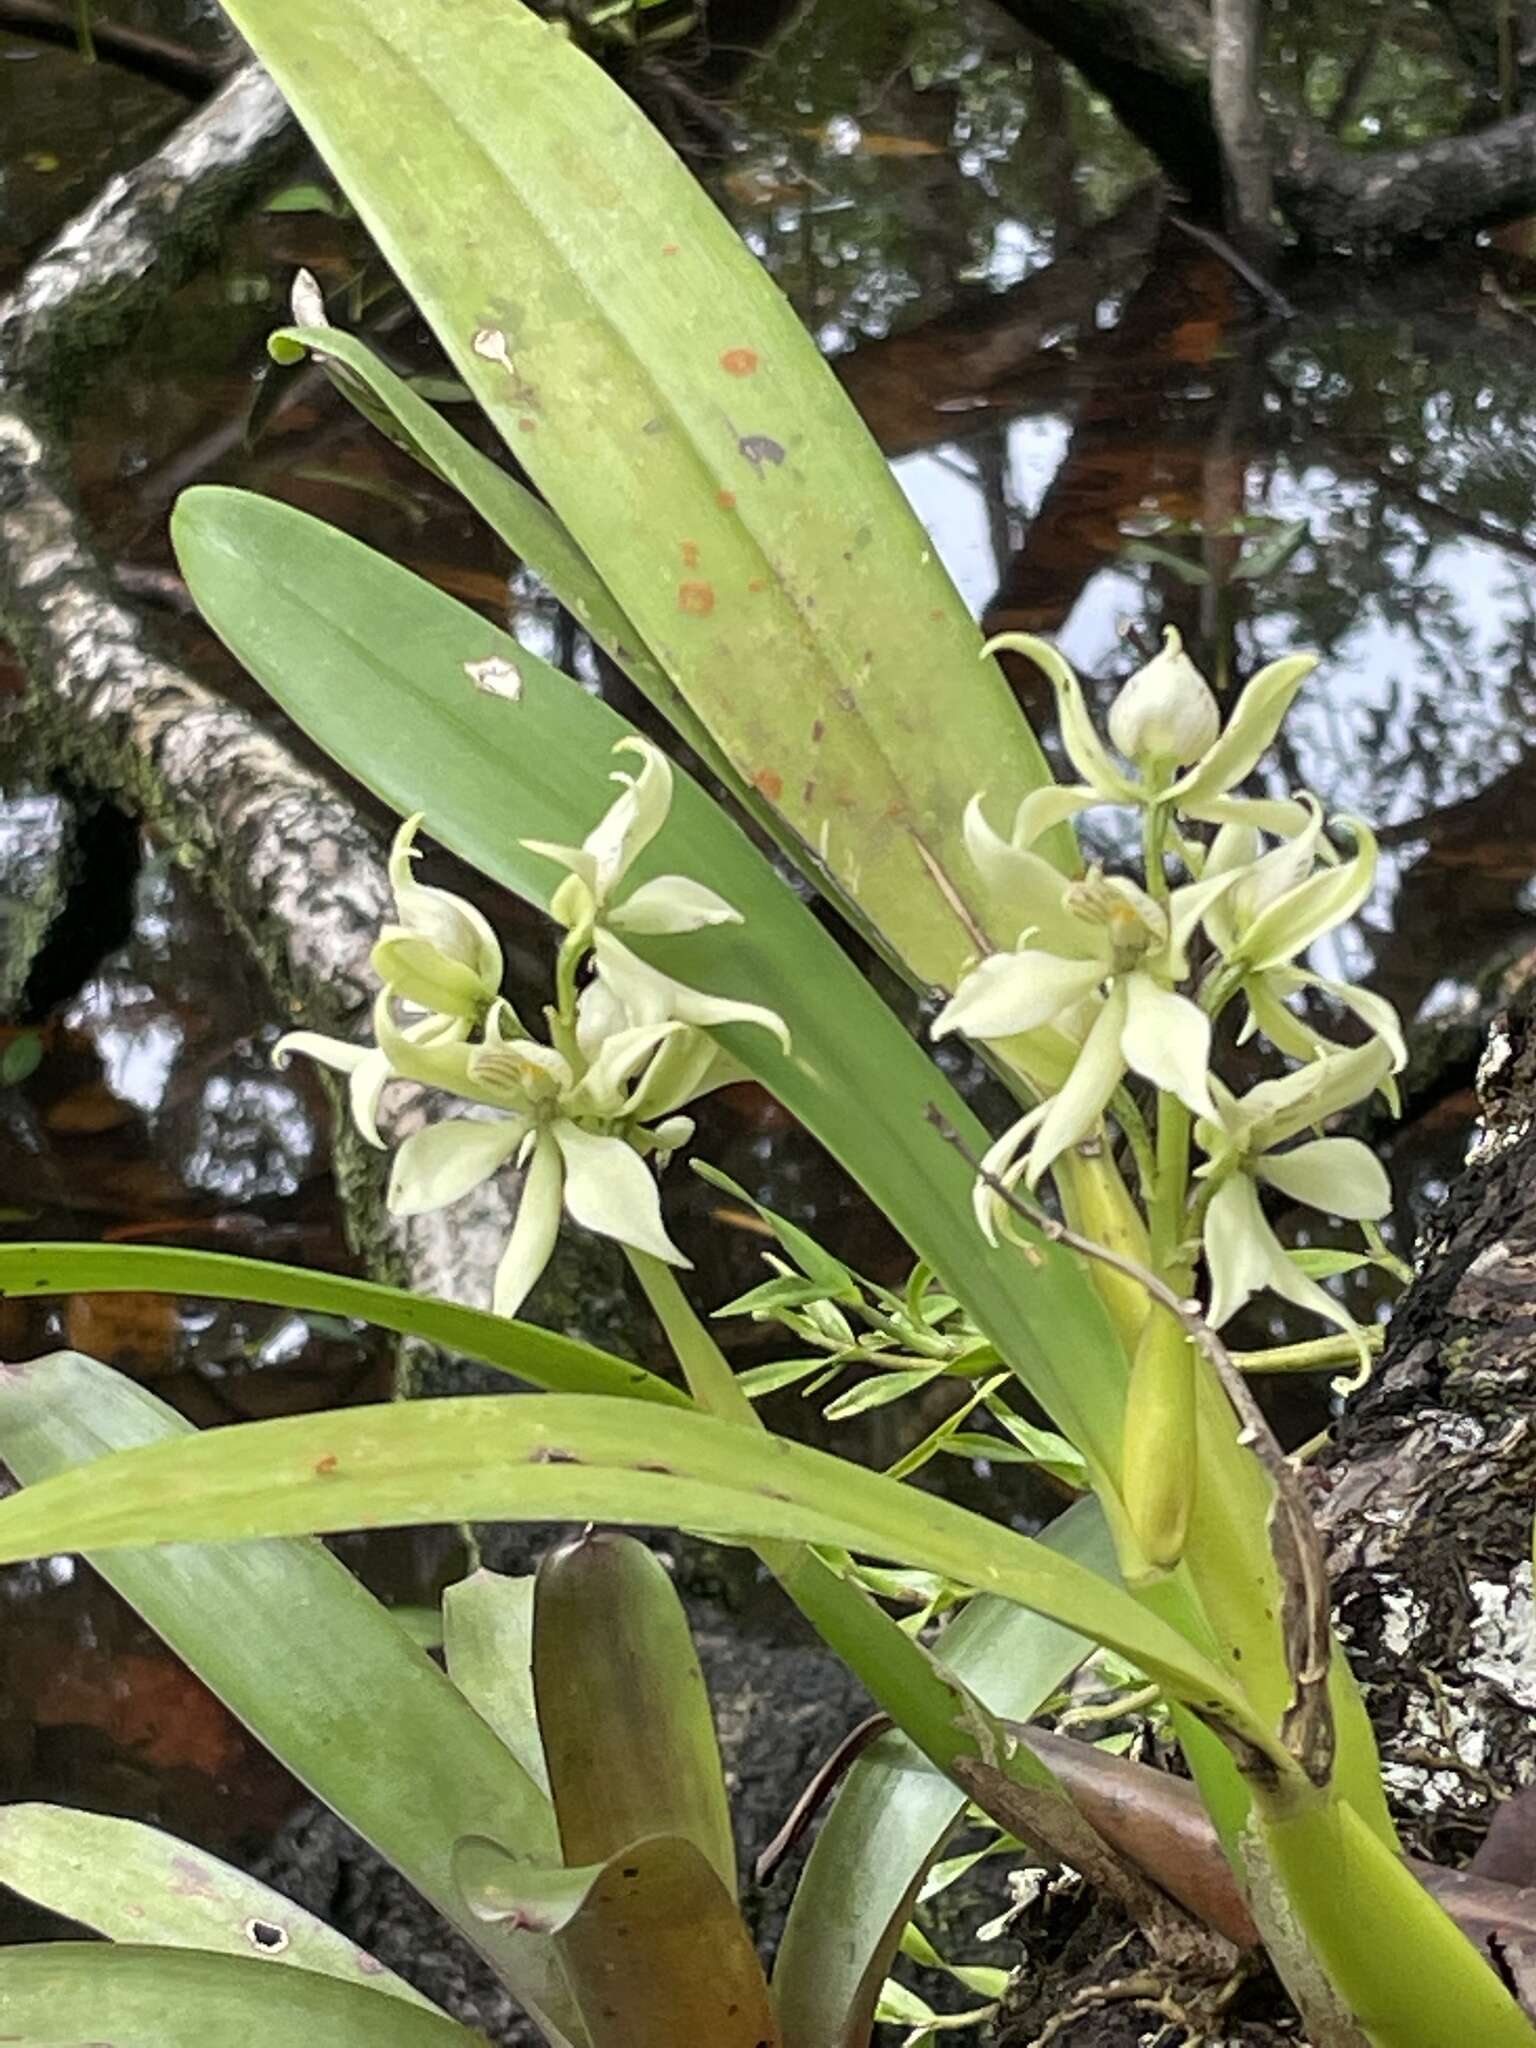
[1169, 1189]
[710, 1379]
[1126, 1112]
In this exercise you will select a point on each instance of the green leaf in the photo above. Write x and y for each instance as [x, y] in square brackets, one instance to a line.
[651, 1941]
[1321, 1262]
[767, 1379]
[666, 400]
[878, 1391]
[299, 1652]
[70, 1992]
[836, 1282]
[133, 1883]
[894, 1812]
[329, 627]
[623, 1708]
[538, 1356]
[1179, 566]
[560, 1458]
[488, 1644]
[303, 198]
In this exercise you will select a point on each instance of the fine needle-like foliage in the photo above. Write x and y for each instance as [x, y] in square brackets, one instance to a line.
[719, 520]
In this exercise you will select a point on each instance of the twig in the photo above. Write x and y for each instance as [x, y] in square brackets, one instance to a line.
[1235, 261]
[184, 70]
[1306, 1728]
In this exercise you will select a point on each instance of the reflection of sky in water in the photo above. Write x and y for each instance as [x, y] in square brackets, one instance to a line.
[137, 1052]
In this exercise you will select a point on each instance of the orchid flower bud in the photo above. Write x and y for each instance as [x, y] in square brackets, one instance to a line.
[1166, 712]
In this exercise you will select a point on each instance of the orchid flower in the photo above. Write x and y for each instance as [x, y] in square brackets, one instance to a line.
[1165, 719]
[1104, 971]
[588, 904]
[1279, 904]
[439, 956]
[1340, 1176]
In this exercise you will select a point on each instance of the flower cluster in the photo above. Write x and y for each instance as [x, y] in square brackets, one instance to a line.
[583, 1112]
[1100, 983]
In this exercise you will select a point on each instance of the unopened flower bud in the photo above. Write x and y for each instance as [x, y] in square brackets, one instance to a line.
[1166, 712]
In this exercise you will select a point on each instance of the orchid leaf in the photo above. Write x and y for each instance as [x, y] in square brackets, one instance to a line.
[132, 1883]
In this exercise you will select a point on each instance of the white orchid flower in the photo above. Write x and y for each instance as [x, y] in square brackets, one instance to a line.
[598, 867]
[1105, 970]
[546, 1114]
[1162, 719]
[1339, 1176]
[1279, 904]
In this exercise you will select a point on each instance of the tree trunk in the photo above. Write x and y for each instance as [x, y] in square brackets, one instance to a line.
[1237, 33]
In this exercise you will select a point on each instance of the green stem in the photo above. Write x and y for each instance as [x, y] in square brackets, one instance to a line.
[1314, 1356]
[1171, 1186]
[1127, 1114]
[1154, 832]
[931, 1710]
[710, 1379]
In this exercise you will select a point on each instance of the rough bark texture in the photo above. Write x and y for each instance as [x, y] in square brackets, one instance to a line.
[1237, 32]
[1430, 1490]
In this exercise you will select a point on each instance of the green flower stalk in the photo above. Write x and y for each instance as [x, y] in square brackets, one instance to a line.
[584, 1115]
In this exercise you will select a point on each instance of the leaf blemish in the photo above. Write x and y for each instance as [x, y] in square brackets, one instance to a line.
[647, 1465]
[770, 782]
[726, 500]
[760, 448]
[547, 1454]
[697, 599]
[690, 554]
[739, 362]
[496, 676]
[266, 1936]
[190, 1880]
[327, 1465]
[818, 730]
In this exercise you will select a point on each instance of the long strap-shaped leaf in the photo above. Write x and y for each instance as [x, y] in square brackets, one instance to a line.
[540, 1357]
[562, 1458]
[69, 1992]
[379, 668]
[667, 401]
[133, 1883]
[307, 1659]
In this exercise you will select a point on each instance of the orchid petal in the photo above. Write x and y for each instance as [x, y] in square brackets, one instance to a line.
[1166, 713]
[440, 1164]
[1252, 726]
[1281, 816]
[1246, 1258]
[1074, 1112]
[339, 1054]
[1374, 1011]
[610, 1189]
[456, 928]
[1340, 1176]
[438, 1061]
[1327, 899]
[1001, 1160]
[629, 825]
[1043, 809]
[687, 1065]
[653, 997]
[418, 971]
[599, 1014]
[1188, 906]
[671, 903]
[534, 1229]
[1086, 751]
[1032, 891]
[603, 1090]
[1167, 1040]
[1277, 1110]
[1012, 992]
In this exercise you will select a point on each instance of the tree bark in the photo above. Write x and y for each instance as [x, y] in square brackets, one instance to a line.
[1237, 30]
[296, 868]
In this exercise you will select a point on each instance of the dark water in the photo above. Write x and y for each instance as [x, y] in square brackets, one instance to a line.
[1067, 384]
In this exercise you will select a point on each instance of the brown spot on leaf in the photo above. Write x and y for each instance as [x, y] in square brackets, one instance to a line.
[690, 554]
[669, 249]
[770, 782]
[266, 1936]
[697, 599]
[757, 584]
[547, 1454]
[726, 500]
[808, 791]
[845, 700]
[937, 613]
[191, 1880]
[648, 1465]
[527, 425]
[761, 448]
[819, 730]
[327, 1465]
[739, 362]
